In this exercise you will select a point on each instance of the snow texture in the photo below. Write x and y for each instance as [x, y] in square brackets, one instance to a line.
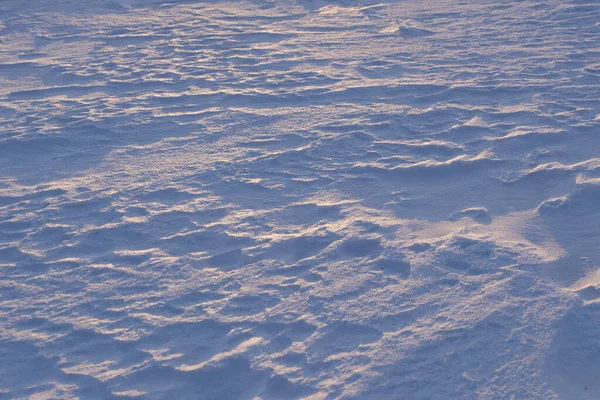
[300, 199]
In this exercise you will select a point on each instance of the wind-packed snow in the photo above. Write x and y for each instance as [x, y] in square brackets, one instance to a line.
[300, 199]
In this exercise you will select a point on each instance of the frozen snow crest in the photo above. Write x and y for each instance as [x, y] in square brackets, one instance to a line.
[408, 28]
[125, 4]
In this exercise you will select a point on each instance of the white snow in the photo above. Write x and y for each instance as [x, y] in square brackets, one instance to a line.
[300, 199]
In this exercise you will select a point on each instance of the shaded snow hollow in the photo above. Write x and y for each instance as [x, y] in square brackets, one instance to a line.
[300, 199]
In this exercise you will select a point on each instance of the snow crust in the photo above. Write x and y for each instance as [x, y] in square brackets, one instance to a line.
[300, 199]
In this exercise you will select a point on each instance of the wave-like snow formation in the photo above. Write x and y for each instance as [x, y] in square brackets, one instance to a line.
[300, 199]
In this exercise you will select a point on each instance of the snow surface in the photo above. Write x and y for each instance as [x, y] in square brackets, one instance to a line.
[300, 199]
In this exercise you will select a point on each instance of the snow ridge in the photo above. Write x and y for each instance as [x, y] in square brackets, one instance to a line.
[299, 199]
